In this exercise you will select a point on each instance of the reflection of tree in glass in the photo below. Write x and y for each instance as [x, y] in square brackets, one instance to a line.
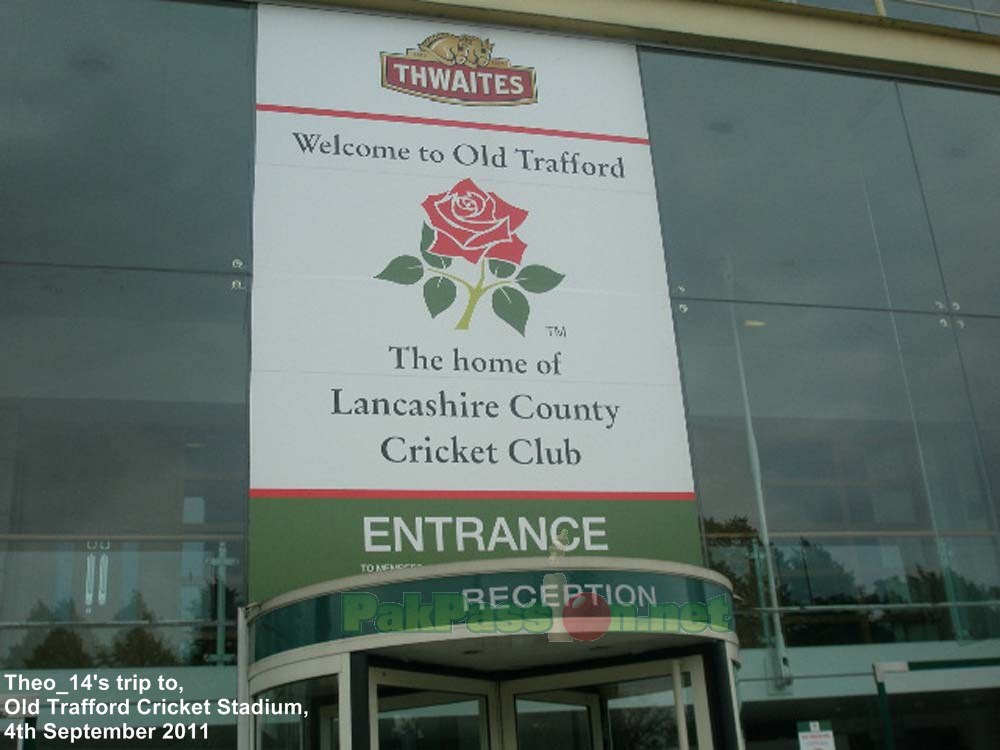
[68, 646]
[731, 553]
[652, 728]
[811, 575]
[925, 585]
[814, 577]
[139, 645]
[399, 732]
[57, 647]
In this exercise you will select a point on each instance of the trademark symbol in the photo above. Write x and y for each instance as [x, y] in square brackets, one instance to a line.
[558, 332]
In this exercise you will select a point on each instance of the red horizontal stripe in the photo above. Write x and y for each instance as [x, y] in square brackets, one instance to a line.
[468, 494]
[380, 117]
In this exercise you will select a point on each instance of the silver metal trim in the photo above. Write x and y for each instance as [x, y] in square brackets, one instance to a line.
[308, 656]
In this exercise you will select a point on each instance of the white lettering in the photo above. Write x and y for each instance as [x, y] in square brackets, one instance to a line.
[463, 532]
[592, 529]
[415, 535]
[371, 533]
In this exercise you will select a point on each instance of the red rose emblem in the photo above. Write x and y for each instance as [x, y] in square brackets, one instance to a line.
[466, 222]
[471, 223]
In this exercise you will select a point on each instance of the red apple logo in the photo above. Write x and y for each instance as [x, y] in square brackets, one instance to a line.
[586, 617]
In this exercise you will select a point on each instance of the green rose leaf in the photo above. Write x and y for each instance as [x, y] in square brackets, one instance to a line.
[501, 268]
[512, 308]
[403, 269]
[439, 293]
[538, 279]
[426, 240]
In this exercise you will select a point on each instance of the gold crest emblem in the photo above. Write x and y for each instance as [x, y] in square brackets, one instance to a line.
[458, 69]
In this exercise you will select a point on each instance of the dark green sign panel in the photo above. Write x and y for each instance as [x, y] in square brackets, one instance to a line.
[296, 542]
[502, 602]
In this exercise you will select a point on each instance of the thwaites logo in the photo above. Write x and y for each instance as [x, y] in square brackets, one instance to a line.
[458, 70]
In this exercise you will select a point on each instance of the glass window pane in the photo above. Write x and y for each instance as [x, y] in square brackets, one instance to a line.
[858, 417]
[853, 6]
[739, 557]
[132, 603]
[421, 719]
[979, 342]
[855, 626]
[956, 141]
[936, 16]
[716, 416]
[544, 724]
[860, 422]
[949, 444]
[865, 570]
[113, 579]
[973, 567]
[122, 403]
[643, 714]
[633, 715]
[48, 646]
[988, 24]
[897, 572]
[828, 411]
[316, 727]
[783, 184]
[128, 139]
[123, 450]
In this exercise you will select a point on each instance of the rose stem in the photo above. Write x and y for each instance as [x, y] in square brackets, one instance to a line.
[474, 295]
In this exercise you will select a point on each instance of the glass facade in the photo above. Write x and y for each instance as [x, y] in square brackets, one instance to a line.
[981, 16]
[921, 721]
[832, 247]
[126, 156]
[831, 244]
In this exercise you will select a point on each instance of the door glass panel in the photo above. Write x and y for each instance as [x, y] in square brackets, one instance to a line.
[629, 714]
[329, 728]
[642, 715]
[631, 707]
[280, 733]
[545, 722]
[419, 719]
[317, 698]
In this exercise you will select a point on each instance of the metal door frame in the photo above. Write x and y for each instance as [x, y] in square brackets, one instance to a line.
[672, 668]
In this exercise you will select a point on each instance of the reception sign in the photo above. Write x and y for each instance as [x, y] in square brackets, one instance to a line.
[462, 335]
[509, 602]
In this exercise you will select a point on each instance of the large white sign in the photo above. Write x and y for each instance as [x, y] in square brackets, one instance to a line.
[459, 282]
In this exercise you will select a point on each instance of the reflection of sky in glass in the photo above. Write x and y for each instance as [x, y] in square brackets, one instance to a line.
[152, 188]
[659, 699]
[956, 138]
[936, 16]
[976, 560]
[525, 706]
[459, 707]
[834, 215]
[869, 563]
